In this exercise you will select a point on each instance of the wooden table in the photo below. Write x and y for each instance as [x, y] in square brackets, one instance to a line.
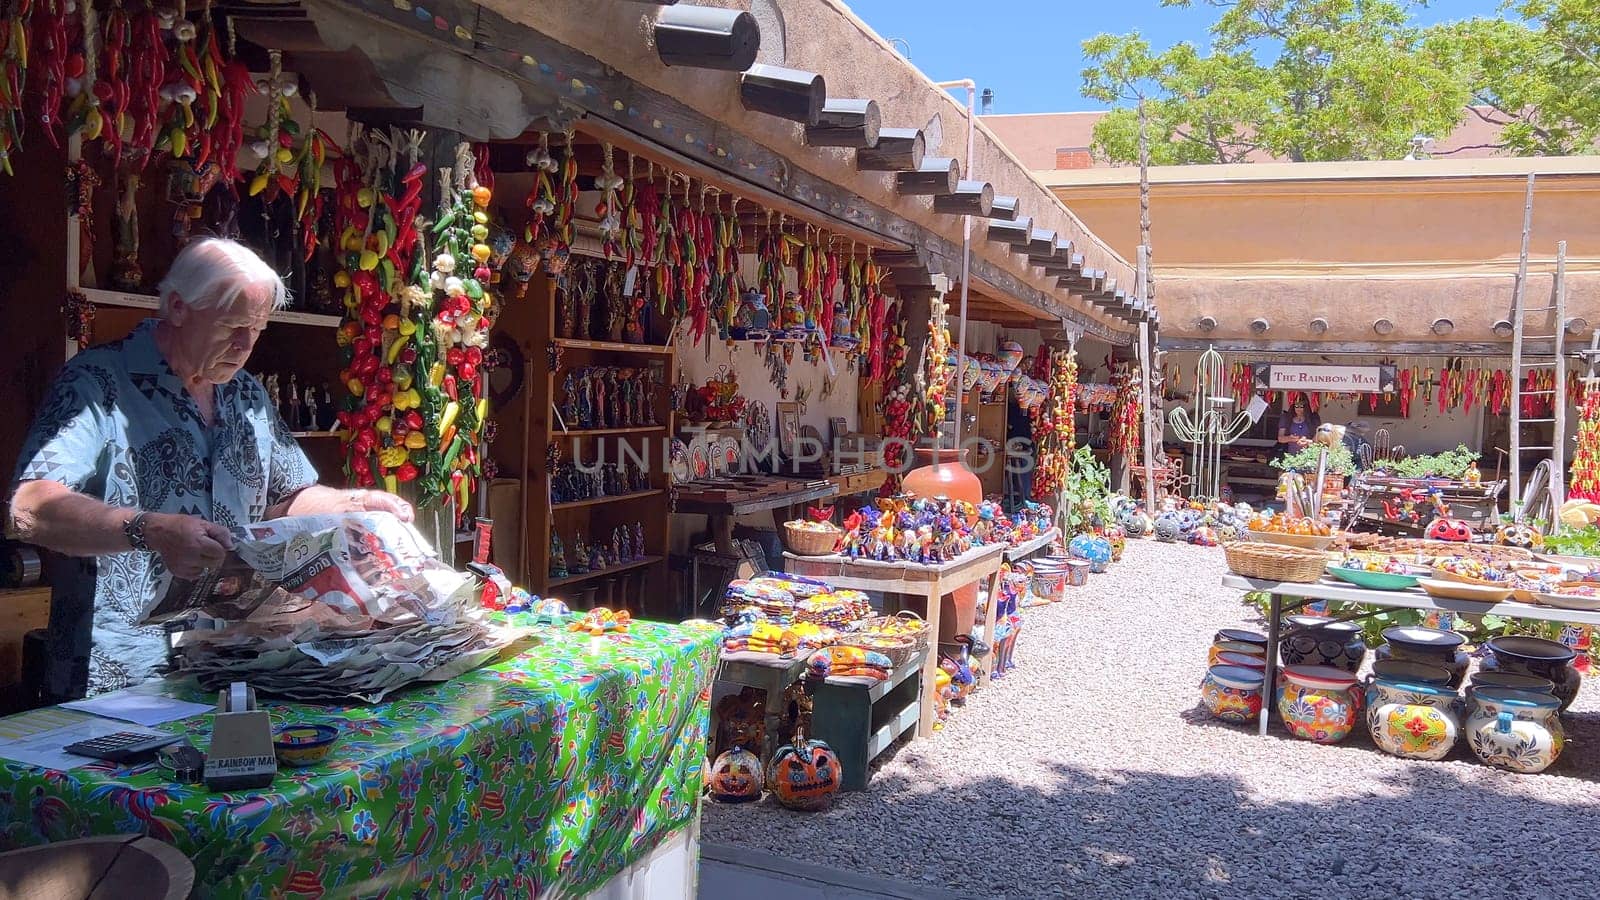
[1028, 548]
[725, 555]
[1343, 592]
[929, 582]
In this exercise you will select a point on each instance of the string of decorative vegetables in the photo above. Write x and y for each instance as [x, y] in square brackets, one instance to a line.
[1053, 429]
[567, 193]
[147, 74]
[457, 335]
[1585, 475]
[769, 267]
[930, 411]
[878, 305]
[382, 424]
[831, 272]
[1126, 419]
[630, 217]
[609, 209]
[726, 280]
[541, 199]
[56, 61]
[13, 77]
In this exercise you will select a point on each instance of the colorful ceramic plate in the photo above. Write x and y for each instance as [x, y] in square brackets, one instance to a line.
[1378, 581]
[699, 463]
[679, 461]
[1456, 590]
[1568, 601]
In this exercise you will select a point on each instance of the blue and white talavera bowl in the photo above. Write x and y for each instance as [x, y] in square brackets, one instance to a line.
[1093, 548]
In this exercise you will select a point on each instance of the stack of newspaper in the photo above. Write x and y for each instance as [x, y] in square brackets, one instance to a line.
[325, 608]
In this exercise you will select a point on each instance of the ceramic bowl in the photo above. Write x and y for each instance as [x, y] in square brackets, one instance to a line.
[1378, 581]
[1458, 590]
[1241, 660]
[299, 745]
[1409, 670]
[1513, 681]
[1567, 601]
[1243, 635]
[1239, 647]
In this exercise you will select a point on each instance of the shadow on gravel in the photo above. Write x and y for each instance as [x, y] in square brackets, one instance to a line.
[1143, 834]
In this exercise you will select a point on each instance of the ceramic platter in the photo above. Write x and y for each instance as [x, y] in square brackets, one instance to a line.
[699, 463]
[1378, 581]
[727, 451]
[679, 461]
[1568, 601]
[1456, 590]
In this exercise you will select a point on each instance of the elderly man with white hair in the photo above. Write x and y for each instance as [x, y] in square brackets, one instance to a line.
[148, 453]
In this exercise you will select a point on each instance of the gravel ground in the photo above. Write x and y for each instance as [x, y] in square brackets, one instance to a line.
[1090, 769]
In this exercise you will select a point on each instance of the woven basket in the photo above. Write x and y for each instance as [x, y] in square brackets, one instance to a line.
[1275, 562]
[917, 638]
[809, 543]
[900, 650]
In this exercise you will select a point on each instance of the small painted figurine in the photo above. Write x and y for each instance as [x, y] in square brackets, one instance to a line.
[558, 557]
[580, 557]
[626, 541]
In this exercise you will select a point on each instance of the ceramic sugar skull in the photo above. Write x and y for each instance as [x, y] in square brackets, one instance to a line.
[1519, 534]
[736, 777]
[804, 775]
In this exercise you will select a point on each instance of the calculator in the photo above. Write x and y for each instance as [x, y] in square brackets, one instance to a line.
[122, 746]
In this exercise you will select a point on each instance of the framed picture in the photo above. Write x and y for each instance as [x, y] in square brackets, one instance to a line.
[837, 428]
[788, 429]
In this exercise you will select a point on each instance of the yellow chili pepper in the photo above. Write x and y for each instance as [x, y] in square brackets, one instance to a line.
[390, 483]
[436, 374]
[385, 424]
[395, 346]
[451, 410]
[416, 440]
[393, 457]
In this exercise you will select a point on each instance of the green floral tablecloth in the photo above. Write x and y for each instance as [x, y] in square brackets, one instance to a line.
[558, 768]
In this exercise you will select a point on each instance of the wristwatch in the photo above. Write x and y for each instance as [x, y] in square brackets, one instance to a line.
[134, 529]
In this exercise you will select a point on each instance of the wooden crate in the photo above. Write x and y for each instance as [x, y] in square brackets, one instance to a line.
[859, 719]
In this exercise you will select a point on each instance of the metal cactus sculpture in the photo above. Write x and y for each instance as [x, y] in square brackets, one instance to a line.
[1207, 426]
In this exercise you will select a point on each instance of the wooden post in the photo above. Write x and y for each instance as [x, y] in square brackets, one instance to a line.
[936, 175]
[897, 148]
[1517, 295]
[1014, 233]
[1558, 443]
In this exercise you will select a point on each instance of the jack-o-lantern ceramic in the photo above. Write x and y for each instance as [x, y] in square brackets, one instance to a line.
[521, 263]
[1519, 534]
[804, 775]
[1447, 529]
[736, 777]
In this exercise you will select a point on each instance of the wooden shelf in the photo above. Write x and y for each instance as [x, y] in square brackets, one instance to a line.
[101, 297]
[614, 346]
[596, 501]
[601, 573]
[639, 429]
[314, 434]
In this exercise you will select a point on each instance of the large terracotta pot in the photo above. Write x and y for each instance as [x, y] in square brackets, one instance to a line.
[943, 472]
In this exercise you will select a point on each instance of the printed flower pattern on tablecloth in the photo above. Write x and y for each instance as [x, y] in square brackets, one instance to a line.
[557, 768]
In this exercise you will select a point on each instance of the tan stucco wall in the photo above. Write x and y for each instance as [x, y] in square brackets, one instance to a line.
[1351, 245]
[825, 37]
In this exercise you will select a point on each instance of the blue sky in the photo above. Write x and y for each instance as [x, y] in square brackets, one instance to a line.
[1028, 50]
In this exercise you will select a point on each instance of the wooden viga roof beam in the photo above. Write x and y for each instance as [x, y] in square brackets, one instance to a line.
[1013, 233]
[971, 198]
[897, 149]
[1004, 208]
[845, 123]
[935, 175]
[707, 37]
[787, 93]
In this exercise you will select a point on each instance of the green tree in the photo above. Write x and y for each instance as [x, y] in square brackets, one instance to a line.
[1538, 79]
[1297, 79]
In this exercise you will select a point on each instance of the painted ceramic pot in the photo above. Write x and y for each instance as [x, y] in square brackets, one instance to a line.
[1117, 538]
[1239, 647]
[1049, 580]
[1407, 670]
[1319, 703]
[1412, 719]
[1078, 572]
[1539, 657]
[1232, 693]
[1093, 548]
[943, 472]
[1533, 684]
[1432, 646]
[1243, 635]
[1515, 730]
[1243, 660]
[1317, 641]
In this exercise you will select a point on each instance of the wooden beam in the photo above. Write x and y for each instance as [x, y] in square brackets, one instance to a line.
[1013, 233]
[845, 123]
[1004, 208]
[1041, 244]
[787, 93]
[707, 37]
[897, 148]
[971, 198]
[935, 175]
[1337, 348]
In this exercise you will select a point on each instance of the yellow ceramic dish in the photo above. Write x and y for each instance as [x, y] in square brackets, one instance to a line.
[1457, 590]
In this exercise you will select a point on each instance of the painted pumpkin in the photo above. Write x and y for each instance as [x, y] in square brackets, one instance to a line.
[736, 777]
[1445, 529]
[1519, 534]
[804, 775]
[1168, 527]
[1135, 523]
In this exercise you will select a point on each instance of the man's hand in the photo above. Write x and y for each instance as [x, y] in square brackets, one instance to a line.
[188, 545]
[382, 501]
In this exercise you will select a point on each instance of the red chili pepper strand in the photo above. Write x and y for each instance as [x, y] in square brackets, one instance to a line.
[14, 40]
[569, 196]
[145, 77]
[649, 209]
[49, 57]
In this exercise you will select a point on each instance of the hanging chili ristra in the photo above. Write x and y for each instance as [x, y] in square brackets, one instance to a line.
[14, 29]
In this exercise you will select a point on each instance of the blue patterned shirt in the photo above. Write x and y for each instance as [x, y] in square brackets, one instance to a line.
[118, 425]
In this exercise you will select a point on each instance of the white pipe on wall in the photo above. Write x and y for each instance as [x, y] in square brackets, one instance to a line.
[966, 245]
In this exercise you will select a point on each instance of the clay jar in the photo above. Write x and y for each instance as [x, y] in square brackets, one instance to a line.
[1239, 647]
[943, 472]
[1516, 730]
[1513, 681]
[1431, 646]
[1412, 719]
[1319, 641]
[1318, 703]
[1232, 693]
[1538, 657]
